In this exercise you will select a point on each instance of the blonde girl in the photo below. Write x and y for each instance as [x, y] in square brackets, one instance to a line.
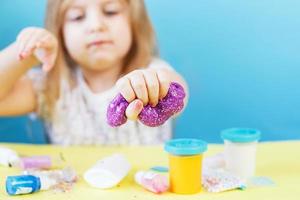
[89, 51]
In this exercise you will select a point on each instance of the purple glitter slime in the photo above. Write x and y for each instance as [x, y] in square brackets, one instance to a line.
[171, 104]
[116, 111]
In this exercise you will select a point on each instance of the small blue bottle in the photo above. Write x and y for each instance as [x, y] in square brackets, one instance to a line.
[23, 184]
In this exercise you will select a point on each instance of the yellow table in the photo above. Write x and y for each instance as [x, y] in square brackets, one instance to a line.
[279, 161]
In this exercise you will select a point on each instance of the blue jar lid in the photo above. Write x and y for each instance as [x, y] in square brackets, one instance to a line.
[241, 135]
[185, 146]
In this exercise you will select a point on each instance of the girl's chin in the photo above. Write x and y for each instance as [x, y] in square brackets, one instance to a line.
[100, 56]
[101, 62]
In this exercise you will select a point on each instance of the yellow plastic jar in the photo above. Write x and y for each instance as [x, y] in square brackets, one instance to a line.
[185, 164]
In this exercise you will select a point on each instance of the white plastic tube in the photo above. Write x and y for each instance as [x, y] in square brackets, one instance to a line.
[108, 172]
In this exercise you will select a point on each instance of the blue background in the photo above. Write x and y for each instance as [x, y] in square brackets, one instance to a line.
[240, 58]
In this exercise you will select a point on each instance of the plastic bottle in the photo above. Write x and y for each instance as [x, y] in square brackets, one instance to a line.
[152, 181]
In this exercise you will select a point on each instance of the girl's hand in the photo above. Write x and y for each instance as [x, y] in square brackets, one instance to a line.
[39, 43]
[142, 87]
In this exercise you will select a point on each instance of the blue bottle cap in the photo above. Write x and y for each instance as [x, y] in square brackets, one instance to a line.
[23, 184]
[185, 146]
[241, 135]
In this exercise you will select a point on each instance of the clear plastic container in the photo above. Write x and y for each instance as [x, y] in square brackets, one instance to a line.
[240, 151]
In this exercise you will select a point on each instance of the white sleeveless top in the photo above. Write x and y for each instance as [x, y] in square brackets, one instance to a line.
[80, 117]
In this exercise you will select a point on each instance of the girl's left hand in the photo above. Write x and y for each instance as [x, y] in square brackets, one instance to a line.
[142, 87]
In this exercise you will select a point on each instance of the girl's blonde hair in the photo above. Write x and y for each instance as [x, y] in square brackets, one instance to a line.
[143, 48]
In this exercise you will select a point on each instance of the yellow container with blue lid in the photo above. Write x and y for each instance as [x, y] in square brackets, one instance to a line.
[185, 164]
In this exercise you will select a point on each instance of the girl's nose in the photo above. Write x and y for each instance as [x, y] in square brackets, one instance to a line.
[96, 22]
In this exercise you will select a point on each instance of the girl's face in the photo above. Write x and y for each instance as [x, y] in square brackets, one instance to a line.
[97, 33]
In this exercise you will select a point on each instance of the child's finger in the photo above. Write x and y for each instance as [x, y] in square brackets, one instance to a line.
[46, 42]
[152, 86]
[46, 58]
[124, 86]
[139, 86]
[47, 66]
[32, 42]
[133, 110]
[43, 42]
[164, 82]
[29, 45]
[45, 51]
[50, 61]
[22, 41]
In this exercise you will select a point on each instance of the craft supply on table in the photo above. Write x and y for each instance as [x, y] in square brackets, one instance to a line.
[39, 162]
[185, 164]
[152, 181]
[8, 157]
[108, 172]
[218, 180]
[23, 184]
[260, 181]
[240, 151]
[160, 169]
[51, 179]
[216, 161]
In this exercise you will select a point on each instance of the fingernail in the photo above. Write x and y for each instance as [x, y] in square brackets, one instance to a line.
[24, 54]
[138, 104]
[20, 57]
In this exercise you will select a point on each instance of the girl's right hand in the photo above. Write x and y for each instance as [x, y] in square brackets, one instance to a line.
[40, 43]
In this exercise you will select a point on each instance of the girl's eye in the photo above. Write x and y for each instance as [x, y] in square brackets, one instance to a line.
[110, 12]
[112, 9]
[77, 18]
[75, 15]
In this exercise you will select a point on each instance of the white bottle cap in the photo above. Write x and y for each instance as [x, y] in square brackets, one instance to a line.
[138, 177]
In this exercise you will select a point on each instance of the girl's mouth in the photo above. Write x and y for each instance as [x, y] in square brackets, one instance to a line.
[99, 43]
